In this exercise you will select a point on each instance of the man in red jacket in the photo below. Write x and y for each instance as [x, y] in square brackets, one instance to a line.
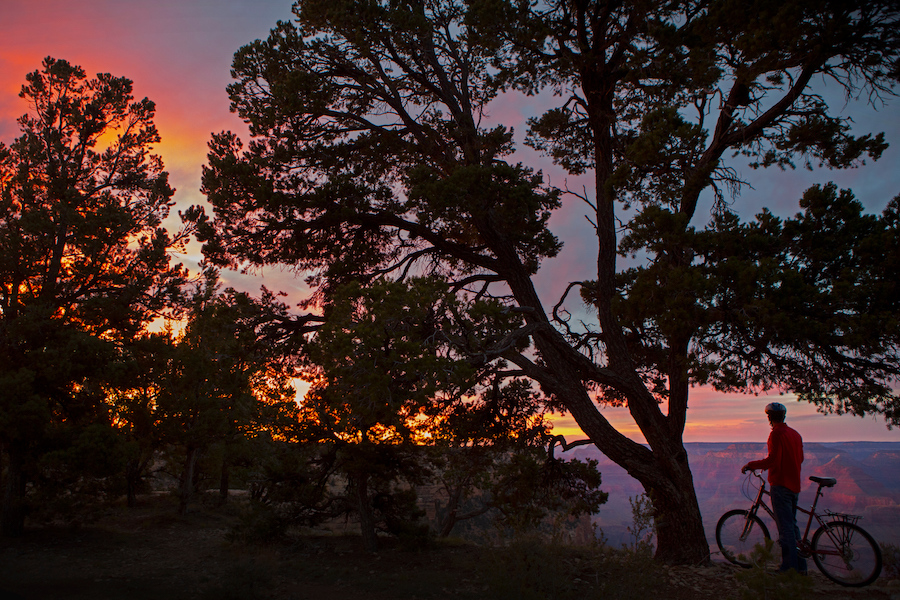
[783, 464]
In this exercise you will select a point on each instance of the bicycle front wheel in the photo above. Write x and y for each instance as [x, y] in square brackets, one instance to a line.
[737, 532]
[846, 554]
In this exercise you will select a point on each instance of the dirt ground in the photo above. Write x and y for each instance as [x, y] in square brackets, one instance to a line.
[150, 552]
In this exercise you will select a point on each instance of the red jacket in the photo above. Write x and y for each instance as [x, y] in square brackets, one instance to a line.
[784, 459]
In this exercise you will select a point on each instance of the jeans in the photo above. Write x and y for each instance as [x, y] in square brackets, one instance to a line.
[784, 504]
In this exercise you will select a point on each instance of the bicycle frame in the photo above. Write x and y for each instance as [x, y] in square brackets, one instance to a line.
[843, 551]
[803, 544]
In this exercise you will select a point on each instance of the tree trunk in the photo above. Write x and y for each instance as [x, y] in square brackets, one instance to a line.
[12, 514]
[131, 484]
[223, 482]
[681, 538]
[667, 480]
[449, 520]
[665, 475]
[134, 471]
[366, 519]
[662, 470]
[187, 480]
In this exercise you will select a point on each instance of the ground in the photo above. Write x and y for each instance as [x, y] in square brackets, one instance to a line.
[150, 552]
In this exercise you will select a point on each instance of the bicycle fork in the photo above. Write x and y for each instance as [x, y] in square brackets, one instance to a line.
[751, 515]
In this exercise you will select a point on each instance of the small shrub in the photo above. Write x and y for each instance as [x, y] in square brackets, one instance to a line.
[763, 582]
[629, 574]
[259, 523]
[890, 554]
[398, 512]
[643, 526]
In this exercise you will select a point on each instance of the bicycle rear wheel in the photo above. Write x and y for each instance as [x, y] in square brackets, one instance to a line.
[736, 536]
[846, 554]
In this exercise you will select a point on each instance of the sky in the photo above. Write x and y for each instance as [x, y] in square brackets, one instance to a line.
[179, 52]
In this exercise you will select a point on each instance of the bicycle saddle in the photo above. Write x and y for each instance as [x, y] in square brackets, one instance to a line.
[824, 481]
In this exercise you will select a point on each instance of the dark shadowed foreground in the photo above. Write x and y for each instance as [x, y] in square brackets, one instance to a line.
[151, 553]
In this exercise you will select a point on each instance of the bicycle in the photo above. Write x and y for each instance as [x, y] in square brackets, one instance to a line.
[841, 549]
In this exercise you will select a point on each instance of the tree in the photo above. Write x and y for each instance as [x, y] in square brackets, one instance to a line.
[392, 406]
[376, 364]
[134, 400]
[225, 384]
[368, 159]
[84, 264]
[490, 457]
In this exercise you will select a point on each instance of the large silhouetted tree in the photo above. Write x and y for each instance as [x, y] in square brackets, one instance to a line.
[369, 158]
[84, 260]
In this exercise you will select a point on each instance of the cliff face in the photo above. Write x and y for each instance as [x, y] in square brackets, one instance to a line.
[867, 473]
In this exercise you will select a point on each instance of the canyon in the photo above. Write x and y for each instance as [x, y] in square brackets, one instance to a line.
[867, 473]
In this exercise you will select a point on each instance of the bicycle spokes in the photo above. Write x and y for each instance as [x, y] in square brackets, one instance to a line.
[737, 534]
[846, 554]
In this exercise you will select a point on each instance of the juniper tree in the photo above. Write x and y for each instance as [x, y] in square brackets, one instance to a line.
[369, 158]
[84, 259]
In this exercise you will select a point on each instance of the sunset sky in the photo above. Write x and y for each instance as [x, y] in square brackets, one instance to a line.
[178, 53]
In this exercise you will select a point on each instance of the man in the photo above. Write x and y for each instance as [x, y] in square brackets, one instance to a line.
[783, 464]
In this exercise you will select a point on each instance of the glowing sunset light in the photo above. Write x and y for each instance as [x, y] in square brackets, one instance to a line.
[179, 52]
[716, 417]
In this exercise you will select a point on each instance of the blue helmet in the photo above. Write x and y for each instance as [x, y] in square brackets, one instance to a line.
[776, 407]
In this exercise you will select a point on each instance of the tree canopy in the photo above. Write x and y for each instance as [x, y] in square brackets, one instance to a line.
[393, 405]
[84, 259]
[369, 159]
[224, 385]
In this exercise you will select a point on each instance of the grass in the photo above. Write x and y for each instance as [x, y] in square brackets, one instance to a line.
[531, 568]
[151, 552]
